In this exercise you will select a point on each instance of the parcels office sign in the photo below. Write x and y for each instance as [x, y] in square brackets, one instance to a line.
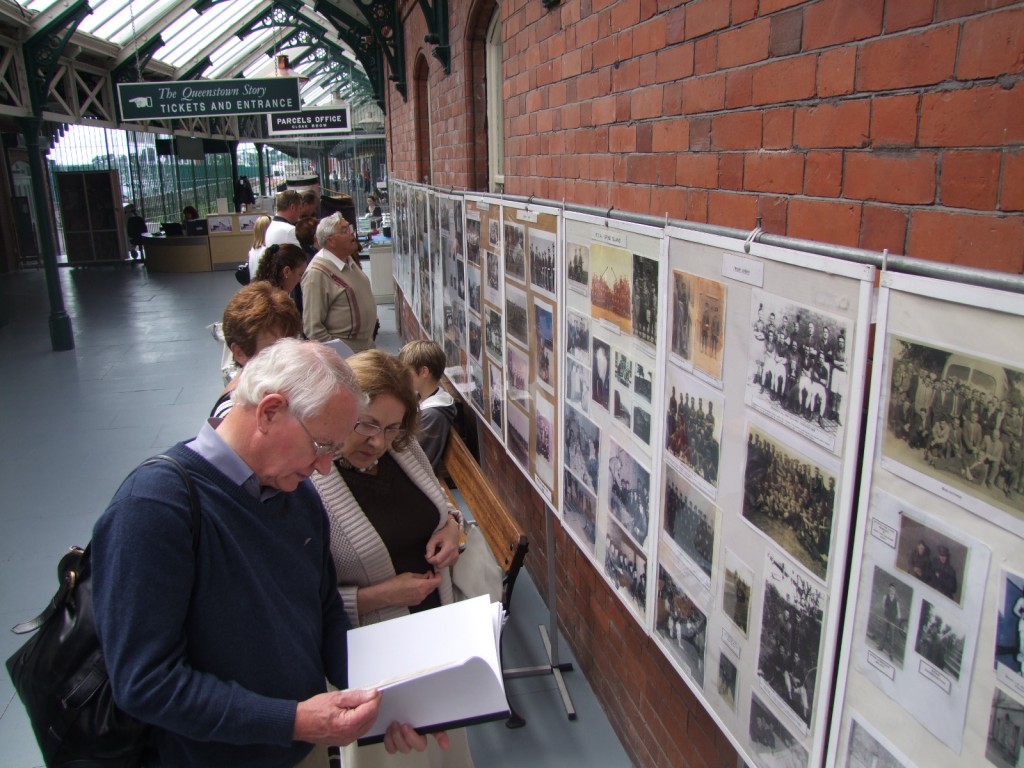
[207, 98]
[335, 120]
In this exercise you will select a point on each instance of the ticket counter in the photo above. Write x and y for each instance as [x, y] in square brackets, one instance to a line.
[177, 254]
[224, 248]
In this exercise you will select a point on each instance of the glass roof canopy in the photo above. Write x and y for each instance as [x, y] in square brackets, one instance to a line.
[189, 36]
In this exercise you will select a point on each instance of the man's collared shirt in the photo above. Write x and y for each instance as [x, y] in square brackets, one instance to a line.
[222, 456]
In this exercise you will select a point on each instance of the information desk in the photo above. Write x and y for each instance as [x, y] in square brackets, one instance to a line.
[177, 254]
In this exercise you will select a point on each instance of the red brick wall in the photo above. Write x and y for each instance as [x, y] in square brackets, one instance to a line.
[893, 124]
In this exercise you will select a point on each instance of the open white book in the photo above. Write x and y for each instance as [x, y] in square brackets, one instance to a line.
[437, 669]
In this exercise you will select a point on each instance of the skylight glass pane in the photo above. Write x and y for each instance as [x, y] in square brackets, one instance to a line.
[119, 29]
[102, 11]
[192, 32]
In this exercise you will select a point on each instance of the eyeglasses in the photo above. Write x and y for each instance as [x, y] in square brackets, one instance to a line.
[366, 429]
[322, 449]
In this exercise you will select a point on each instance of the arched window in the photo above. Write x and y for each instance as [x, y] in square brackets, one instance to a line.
[424, 139]
[495, 113]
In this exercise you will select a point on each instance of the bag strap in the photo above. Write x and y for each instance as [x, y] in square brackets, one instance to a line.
[76, 562]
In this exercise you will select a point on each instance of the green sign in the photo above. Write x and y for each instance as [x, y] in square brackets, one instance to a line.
[207, 98]
[309, 121]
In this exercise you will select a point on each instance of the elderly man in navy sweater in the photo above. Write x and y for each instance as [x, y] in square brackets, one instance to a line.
[226, 652]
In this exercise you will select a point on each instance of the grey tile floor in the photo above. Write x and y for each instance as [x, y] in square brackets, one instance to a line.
[143, 375]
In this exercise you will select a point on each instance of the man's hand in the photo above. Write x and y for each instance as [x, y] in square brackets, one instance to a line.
[402, 737]
[336, 718]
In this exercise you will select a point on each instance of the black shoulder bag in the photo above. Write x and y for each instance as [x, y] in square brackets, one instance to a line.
[62, 680]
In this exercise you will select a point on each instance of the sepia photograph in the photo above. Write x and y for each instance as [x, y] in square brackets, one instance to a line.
[577, 384]
[682, 625]
[626, 567]
[645, 299]
[867, 750]
[543, 346]
[600, 367]
[582, 448]
[580, 509]
[689, 519]
[577, 342]
[698, 322]
[629, 491]
[496, 397]
[517, 318]
[958, 420]
[771, 741]
[940, 639]
[889, 616]
[519, 434]
[791, 622]
[578, 268]
[789, 498]
[932, 557]
[737, 591]
[693, 434]
[1005, 731]
[493, 335]
[514, 249]
[517, 375]
[611, 286]
[727, 676]
[797, 373]
[473, 278]
[542, 261]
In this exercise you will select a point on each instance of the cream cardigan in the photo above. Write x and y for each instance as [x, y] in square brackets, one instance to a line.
[360, 556]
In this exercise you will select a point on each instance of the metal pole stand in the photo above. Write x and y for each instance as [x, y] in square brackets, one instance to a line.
[554, 666]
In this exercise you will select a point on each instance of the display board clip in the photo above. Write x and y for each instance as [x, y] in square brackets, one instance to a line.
[885, 259]
[755, 233]
[608, 215]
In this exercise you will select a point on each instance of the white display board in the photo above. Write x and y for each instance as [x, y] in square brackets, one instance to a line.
[933, 666]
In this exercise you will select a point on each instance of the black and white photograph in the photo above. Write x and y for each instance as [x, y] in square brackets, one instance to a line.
[517, 375]
[889, 616]
[791, 623]
[957, 421]
[476, 390]
[600, 368]
[496, 397]
[518, 434]
[493, 334]
[611, 286]
[582, 448]
[492, 291]
[629, 491]
[577, 384]
[682, 625]
[494, 232]
[578, 268]
[542, 261]
[798, 368]
[643, 381]
[866, 749]
[645, 299]
[1005, 731]
[727, 677]
[642, 424]
[698, 322]
[771, 741]
[1009, 650]
[693, 426]
[623, 368]
[625, 565]
[790, 498]
[545, 442]
[543, 346]
[940, 639]
[577, 342]
[517, 318]
[932, 557]
[737, 591]
[473, 278]
[622, 410]
[689, 520]
[476, 340]
[515, 251]
[473, 236]
[580, 510]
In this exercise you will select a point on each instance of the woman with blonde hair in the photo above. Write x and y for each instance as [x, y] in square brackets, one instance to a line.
[259, 235]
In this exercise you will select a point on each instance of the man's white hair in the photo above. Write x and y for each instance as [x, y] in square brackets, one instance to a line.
[327, 226]
[308, 373]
